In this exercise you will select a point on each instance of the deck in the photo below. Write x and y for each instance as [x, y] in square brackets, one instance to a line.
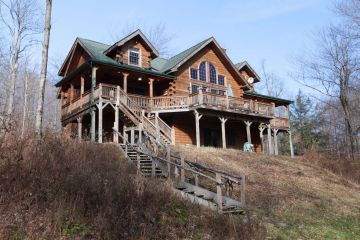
[164, 104]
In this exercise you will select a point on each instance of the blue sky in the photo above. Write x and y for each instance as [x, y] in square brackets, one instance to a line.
[270, 30]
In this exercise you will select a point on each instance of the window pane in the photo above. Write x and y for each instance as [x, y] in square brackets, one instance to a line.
[134, 56]
[202, 71]
[194, 88]
[193, 73]
[221, 80]
[212, 73]
[221, 92]
[214, 91]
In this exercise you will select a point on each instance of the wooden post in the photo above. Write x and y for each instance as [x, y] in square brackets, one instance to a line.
[197, 127]
[124, 134]
[275, 130]
[82, 80]
[125, 76]
[79, 120]
[261, 129]
[269, 139]
[116, 124]
[151, 87]
[196, 178]
[182, 170]
[168, 157]
[153, 168]
[117, 95]
[138, 161]
[248, 133]
[223, 131]
[200, 97]
[140, 132]
[173, 141]
[92, 130]
[242, 189]
[100, 124]
[132, 136]
[157, 125]
[218, 192]
[227, 99]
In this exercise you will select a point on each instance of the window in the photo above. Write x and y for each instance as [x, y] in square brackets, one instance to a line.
[194, 88]
[212, 72]
[202, 71]
[221, 92]
[193, 73]
[134, 56]
[221, 80]
[214, 91]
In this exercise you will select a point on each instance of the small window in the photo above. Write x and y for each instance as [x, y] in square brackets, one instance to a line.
[214, 91]
[212, 71]
[202, 72]
[194, 88]
[193, 73]
[221, 80]
[134, 56]
[204, 88]
[221, 92]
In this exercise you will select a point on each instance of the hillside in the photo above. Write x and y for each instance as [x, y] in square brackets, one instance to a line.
[295, 198]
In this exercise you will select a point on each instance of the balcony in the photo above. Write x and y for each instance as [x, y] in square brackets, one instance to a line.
[206, 100]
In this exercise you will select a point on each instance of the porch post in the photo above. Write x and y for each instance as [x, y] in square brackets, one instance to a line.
[79, 120]
[157, 125]
[132, 136]
[223, 132]
[116, 124]
[197, 127]
[124, 134]
[269, 139]
[100, 107]
[151, 87]
[125, 75]
[248, 133]
[92, 130]
[275, 130]
[82, 86]
[261, 129]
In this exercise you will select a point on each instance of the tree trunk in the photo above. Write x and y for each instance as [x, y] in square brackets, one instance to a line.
[25, 103]
[40, 107]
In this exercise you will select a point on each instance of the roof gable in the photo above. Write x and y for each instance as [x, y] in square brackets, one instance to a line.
[246, 65]
[137, 33]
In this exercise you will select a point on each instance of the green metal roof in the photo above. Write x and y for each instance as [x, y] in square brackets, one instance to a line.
[253, 93]
[165, 67]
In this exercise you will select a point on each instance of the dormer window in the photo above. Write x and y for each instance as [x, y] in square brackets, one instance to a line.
[134, 56]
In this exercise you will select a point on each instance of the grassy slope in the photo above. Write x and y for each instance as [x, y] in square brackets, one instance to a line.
[295, 198]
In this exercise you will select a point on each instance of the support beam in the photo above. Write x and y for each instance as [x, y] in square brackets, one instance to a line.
[124, 134]
[125, 77]
[100, 123]
[276, 149]
[269, 139]
[248, 133]
[261, 129]
[151, 87]
[132, 136]
[82, 83]
[79, 120]
[92, 130]
[223, 131]
[197, 127]
[116, 124]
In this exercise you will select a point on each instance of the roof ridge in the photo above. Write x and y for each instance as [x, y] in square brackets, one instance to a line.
[86, 39]
[190, 47]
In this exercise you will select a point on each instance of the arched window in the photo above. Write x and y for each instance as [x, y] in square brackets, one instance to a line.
[212, 72]
[202, 72]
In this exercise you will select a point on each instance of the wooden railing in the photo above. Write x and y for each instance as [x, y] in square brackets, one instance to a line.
[280, 122]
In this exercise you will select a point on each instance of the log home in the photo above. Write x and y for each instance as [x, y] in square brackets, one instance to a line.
[198, 96]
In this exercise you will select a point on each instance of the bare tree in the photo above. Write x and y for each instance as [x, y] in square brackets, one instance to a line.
[271, 84]
[19, 18]
[332, 69]
[44, 63]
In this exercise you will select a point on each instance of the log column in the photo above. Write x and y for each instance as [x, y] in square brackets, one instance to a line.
[151, 87]
[79, 120]
[261, 129]
[125, 77]
[116, 125]
[269, 139]
[275, 131]
[197, 127]
[100, 124]
[92, 130]
[223, 131]
[248, 133]
[92, 111]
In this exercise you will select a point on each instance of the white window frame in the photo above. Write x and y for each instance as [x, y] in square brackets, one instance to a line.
[139, 52]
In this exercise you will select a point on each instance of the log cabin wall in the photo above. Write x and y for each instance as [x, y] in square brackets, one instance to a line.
[182, 81]
[122, 53]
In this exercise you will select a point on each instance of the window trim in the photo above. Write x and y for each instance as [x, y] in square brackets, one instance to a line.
[139, 60]
[197, 73]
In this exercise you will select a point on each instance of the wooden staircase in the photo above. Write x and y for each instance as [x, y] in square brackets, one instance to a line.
[154, 158]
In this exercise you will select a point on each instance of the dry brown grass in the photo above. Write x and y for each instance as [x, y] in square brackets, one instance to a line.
[295, 196]
[56, 189]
